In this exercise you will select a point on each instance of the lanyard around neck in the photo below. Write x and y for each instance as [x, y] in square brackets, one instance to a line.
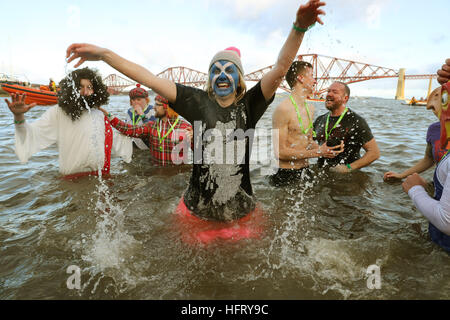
[161, 139]
[327, 134]
[138, 118]
[300, 122]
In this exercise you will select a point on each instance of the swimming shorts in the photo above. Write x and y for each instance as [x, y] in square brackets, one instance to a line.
[196, 230]
[287, 177]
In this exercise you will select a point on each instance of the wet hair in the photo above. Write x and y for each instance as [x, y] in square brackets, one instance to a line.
[69, 98]
[240, 91]
[296, 68]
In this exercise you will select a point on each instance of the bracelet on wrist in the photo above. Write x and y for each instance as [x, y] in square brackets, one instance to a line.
[303, 30]
[19, 122]
[349, 167]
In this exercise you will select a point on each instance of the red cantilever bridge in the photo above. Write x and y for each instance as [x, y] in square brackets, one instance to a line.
[326, 70]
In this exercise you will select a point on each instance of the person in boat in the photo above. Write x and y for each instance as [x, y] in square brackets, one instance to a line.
[225, 115]
[83, 134]
[164, 135]
[343, 125]
[444, 72]
[433, 151]
[52, 85]
[140, 113]
[436, 209]
[413, 101]
[293, 133]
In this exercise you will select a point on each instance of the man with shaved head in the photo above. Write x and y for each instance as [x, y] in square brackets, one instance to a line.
[342, 125]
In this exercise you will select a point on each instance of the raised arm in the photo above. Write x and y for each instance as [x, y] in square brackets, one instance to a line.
[89, 52]
[307, 15]
[18, 107]
[135, 131]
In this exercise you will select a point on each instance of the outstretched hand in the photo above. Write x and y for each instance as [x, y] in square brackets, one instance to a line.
[308, 14]
[391, 175]
[17, 105]
[84, 51]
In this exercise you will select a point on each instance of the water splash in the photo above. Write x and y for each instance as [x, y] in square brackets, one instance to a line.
[111, 249]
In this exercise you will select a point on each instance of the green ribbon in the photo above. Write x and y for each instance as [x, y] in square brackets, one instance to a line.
[300, 122]
[161, 139]
[137, 120]
[327, 134]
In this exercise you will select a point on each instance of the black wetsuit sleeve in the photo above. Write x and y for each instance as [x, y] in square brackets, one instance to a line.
[256, 103]
[188, 102]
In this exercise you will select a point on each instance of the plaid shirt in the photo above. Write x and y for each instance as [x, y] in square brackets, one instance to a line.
[160, 154]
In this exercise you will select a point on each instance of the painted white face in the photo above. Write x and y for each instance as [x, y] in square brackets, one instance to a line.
[224, 77]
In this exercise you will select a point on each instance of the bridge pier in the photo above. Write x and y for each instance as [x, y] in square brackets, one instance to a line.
[400, 95]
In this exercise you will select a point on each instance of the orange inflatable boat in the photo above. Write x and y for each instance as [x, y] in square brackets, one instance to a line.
[41, 97]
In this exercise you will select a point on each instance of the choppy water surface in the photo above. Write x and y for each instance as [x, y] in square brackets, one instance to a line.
[319, 242]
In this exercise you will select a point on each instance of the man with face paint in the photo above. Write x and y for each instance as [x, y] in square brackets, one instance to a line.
[437, 209]
[219, 189]
[83, 134]
[433, 152]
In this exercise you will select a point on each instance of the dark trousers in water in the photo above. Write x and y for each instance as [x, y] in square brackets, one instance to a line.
[289, 177]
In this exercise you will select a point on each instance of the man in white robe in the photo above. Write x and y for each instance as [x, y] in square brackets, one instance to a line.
[83, 134]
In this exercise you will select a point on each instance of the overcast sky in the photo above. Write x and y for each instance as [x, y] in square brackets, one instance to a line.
[166, 33]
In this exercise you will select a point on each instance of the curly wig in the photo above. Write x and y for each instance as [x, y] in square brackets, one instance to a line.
[69, 98]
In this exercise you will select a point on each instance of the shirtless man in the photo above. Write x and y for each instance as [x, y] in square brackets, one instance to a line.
[293, 124]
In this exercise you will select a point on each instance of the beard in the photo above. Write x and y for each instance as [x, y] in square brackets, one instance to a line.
[77, 105]
[331, 105]
[85, 102]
